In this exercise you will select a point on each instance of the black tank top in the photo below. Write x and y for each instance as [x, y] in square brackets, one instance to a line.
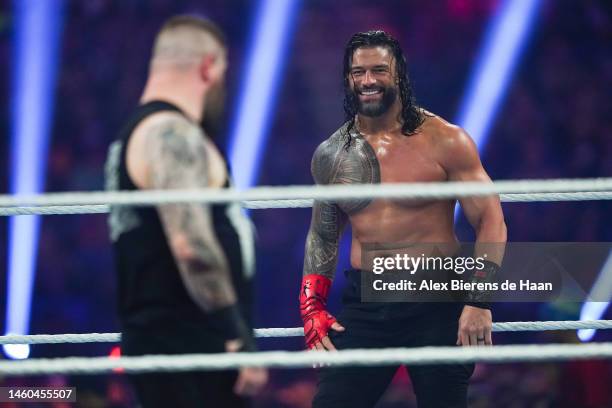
[151, 291]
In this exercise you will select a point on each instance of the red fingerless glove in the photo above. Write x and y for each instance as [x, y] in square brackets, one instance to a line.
[313, 297]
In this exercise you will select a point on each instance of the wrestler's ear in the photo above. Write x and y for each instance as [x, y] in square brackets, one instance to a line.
[206, 68]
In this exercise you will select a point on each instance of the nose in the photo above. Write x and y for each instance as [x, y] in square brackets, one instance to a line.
[368, 79]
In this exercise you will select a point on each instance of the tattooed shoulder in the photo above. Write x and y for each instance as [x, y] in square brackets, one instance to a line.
[177, 150]
[339, 160]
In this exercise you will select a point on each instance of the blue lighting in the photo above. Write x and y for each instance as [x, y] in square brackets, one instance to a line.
[503, 44]
[35, 47]
[504, 41]
[265, 63]
[602, 289]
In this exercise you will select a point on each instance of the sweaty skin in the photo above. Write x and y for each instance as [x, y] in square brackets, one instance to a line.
[439, 151]
[378, 152]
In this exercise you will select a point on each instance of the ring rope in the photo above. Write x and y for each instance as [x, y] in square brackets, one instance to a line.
[443, 190]
[259, 204]
[297, 331]
[287, 359]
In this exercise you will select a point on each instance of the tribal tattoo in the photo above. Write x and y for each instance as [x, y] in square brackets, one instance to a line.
[336, 162]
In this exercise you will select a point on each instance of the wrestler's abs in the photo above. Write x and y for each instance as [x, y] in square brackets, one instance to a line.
[402, 160]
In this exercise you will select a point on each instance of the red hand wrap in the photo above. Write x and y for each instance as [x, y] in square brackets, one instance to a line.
[313, 297]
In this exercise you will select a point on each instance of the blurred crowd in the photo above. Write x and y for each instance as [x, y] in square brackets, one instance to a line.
[555, 122]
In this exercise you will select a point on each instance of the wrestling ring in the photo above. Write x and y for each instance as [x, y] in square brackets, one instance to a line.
[298, 197]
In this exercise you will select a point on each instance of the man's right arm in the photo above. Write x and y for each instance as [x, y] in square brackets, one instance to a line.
[328, 220]
[326, 225]
[321, 258]
[176, 157]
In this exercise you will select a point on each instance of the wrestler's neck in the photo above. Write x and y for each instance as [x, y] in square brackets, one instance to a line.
[177, 90]
[387, 124]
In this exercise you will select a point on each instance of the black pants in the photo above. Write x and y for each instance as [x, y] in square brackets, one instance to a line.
[180, 389]
[380, 325]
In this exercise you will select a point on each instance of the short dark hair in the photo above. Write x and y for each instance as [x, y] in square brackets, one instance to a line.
[197, 22]
[411, 115]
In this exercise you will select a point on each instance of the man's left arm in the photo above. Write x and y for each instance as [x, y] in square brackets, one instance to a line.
[462, 163]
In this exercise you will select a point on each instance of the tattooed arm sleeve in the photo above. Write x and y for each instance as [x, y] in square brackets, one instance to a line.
[327, 222]
[178, 160]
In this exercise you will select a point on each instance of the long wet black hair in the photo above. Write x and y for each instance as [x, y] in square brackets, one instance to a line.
[411, 115]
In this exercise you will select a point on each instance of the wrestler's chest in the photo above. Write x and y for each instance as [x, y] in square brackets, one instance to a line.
[373, 163]
[408, 165]
[409, 160]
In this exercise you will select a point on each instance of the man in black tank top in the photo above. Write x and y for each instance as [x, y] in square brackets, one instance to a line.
[183, 270]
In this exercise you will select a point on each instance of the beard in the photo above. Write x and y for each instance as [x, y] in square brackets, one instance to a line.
[373, 108]
[213, 119]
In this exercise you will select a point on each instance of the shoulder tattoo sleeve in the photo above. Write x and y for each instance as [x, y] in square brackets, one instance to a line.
[334, 163]
[177, 159]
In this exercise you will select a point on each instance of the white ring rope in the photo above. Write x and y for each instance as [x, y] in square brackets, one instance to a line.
[297, 331]
[287, 359]
[444, 190]
[259, 204]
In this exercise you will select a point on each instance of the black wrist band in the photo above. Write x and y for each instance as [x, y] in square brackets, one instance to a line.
[482, 298]
[481, 305]
[231, 324]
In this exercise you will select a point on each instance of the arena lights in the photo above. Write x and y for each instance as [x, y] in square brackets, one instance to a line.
[264, 68]
[602, 289]
[504, 41]
[35, 46]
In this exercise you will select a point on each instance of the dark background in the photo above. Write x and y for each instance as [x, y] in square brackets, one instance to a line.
[555, 122]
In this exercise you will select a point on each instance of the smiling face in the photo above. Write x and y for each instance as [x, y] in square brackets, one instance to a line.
[372, 80]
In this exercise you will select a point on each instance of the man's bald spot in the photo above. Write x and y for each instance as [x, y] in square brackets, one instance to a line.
[186, 43]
